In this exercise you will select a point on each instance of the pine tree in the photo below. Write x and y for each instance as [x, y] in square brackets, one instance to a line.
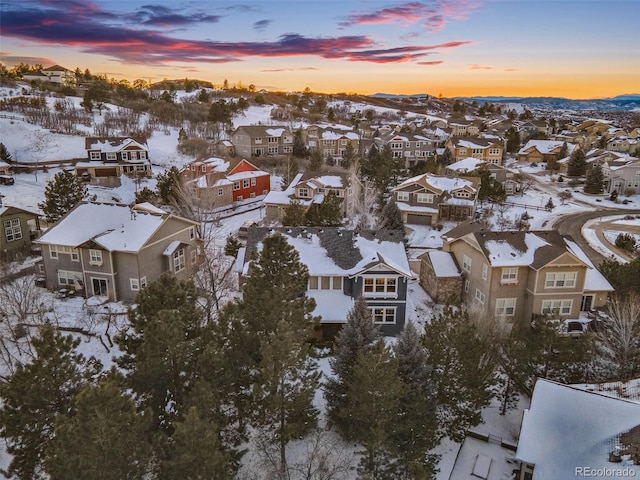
[300, 150]
[595, 179]
[549, 206]
[5, 155]
[357, 335]
[36, 394]
[577, 165]
[275, 290]
[391, 217]
[315, 160]
[167, 185]
[294, 214]
[106, 439]
[416, 428]
[194, 451]
[326, 214]
[349, 156]
[232, 246]
[284, 392]
[463, 371]
[161, 350]
[62, 194]
[375, 392]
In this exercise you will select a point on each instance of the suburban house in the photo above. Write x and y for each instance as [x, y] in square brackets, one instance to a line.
[114, 250]
[331, 142]
[461, 127]
[54, 74]
[345, 264]
[536, 127]
[487, 149]
[261, 141]
[428, 199]
[18, 228]
[223, 182]
[624, 144]
[310, 188]
[571, 432]
[410, 147]
[109, 158]
[514, 275]
[544, 151]
[622, 176]
[468, 167]
[440, 276]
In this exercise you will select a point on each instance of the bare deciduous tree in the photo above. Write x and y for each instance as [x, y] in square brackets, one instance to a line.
[619, 340]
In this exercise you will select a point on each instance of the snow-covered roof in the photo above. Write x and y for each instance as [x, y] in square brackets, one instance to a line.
[333, 251]
[443, 264]
[148, 207]
[333, 181]
[331, 305]
[248, 174]
[567, 427]
[502, 253]
[594, 281]
[113, 227]
[543, 146]
[275, 132]
[112, 144]
[438, 183]
[468, 164]
[283, 197]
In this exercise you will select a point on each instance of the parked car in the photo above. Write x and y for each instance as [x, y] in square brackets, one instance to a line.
[243, 231]
[6, 180]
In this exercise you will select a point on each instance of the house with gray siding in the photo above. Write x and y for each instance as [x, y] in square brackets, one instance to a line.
[114, 251]
[18, 228]
[343, 265]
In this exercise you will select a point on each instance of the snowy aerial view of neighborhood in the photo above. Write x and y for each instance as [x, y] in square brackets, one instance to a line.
[230, 251]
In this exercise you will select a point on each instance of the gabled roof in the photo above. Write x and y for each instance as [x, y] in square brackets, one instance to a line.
[437, 184]
[9, 210]
[567, 427]
[474, 142]
[516, 248]
[263, 130]
[335, 251]
[545, 147]
[326, 180]
[113, 144]
[56, 68]
[114, 227]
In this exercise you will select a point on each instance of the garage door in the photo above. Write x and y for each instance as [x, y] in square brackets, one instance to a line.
[106, 172]
[415, 219]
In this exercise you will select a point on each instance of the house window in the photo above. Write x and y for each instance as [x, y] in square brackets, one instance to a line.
[258, 140]
[193, 168]
[303, 192]
[403, 196]
[245, 183]
[94, 155]
[142, 155]
[12, 229]
[252, 195]
[178, 260]
[272, 150]
[95, 257]
[313, 283]
[466, 264]
[481, 297]
[134, 283]
[111, 156]
[509, 275]
[374, 286]
[236, 185]
[75, 255]
[192, 233]
[287, 149]
[203, 168]
[220, 191]
[561, 280]
[506, 306]
[425, 198]
[239, 198]
[466, 286]
[70, 279]
[53, 251]
[125, 156]
[383, 314]
[253, 182]
[272, 139]
[194, 257]
[485, 270]
[563, 307]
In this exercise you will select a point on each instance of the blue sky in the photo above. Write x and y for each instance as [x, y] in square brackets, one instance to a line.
[577, 49]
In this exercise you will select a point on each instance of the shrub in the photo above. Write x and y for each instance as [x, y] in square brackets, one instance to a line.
[626, 242]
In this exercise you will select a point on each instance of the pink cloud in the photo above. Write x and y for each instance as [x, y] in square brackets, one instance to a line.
[435, 62]
[479, 67]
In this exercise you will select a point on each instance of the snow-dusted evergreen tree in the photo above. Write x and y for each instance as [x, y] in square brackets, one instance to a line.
[61, 195]
[356, 336]
[577, 164]
[595, 179]
[391, 217]
[463, 371]
[92, 444]
[5, 155]
[416, 427]
[375, 393]
[36, 394]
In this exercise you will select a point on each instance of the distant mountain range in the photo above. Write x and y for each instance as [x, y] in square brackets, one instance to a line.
[626, 102]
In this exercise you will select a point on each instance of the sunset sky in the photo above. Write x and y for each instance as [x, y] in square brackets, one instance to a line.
[574, 49]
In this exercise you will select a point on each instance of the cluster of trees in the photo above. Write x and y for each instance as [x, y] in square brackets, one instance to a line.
[327, 213]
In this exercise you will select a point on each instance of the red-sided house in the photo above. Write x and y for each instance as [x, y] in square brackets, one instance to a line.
[248, 181]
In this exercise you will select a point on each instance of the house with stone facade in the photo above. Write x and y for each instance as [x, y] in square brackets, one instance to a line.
[515, 275]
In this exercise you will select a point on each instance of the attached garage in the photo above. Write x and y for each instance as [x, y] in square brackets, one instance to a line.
[415, 219]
